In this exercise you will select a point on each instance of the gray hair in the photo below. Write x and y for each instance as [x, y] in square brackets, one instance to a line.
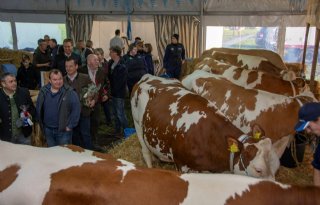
[5, 75]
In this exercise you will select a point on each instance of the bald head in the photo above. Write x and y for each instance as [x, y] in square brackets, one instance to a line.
[92, 61]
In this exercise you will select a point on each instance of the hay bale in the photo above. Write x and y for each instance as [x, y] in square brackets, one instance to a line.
[130, 150]
[14, 55]
[34, 95]
[301, 175]
[37, 137]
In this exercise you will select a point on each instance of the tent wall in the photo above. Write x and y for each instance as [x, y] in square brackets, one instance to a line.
[211, 12]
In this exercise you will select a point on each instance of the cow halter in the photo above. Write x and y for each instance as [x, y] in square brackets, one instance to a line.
[242, 139]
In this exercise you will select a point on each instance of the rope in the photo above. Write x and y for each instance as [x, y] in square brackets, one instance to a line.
[294, 152]
[293, 89]
[231, 161]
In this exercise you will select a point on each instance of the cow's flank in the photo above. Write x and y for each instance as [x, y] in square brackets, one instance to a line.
[79, 178]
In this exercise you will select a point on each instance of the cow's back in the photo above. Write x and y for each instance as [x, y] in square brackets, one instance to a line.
[276, 114]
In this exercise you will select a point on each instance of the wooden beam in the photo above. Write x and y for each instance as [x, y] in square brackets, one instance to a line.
[314, 60]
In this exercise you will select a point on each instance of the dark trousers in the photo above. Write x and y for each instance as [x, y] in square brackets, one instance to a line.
[81, 134]
[107, 111]
[95, 122]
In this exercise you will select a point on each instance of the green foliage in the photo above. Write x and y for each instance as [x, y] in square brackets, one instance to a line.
[63, 30]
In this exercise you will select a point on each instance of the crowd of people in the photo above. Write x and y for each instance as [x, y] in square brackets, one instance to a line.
[82, 83]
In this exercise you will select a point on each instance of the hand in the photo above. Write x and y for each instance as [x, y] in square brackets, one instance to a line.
[92, 103]
[104, 98]
[68, 129]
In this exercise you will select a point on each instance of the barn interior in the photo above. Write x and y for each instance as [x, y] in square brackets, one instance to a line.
[288, 28]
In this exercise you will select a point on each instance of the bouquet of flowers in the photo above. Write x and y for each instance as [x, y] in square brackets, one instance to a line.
[89, 93]
[25, 117]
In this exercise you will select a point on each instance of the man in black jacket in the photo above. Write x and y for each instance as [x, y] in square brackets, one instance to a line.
[118, 83]
[60, 60]
[174, 57]
[17, 111]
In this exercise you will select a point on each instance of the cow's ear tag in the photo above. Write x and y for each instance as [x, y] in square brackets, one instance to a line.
[257, 135]
[234, 148]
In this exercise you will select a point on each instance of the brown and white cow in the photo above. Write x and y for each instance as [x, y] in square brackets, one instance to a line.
[254, 59]
[179, 126]
[253, 79]
[276, 114]
[71, 175]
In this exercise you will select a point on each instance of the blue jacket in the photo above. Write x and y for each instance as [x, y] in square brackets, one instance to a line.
[69, 107]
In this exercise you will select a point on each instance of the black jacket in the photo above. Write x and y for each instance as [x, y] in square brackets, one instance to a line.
[21, 97]
[60, 61]
[28, 78]
[118, 79]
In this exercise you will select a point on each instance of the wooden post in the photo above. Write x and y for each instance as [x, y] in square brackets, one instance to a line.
[314, 60]
[305, 48]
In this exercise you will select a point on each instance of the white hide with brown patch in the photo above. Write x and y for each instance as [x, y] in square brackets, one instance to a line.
[60, 175]
[250, 78]
[276, 114]
[179, 126]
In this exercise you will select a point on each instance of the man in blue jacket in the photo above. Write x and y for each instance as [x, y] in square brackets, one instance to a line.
[309, 121]
[174, 57]
[58, 110]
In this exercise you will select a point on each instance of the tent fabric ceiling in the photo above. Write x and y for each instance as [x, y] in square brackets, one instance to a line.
[149, 6]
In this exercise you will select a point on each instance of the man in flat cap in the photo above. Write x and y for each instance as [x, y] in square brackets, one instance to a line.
[309, 120]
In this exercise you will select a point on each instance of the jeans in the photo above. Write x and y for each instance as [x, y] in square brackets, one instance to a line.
[54, 137]
[174, 73]
[107, 111]
[81, 134]
[119, 114]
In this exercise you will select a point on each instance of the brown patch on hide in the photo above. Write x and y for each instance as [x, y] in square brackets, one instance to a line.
[104, 183]
[103, 156]
[237, 73]
[252, 77]
[74, 148]
[270, 193]
[8, 176]
[248, 154]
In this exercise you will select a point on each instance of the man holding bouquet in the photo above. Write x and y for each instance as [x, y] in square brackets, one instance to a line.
[17, 111]
[80, 82]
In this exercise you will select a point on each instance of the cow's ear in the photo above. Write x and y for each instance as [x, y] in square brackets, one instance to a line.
[257, 132]
[280, 145]
[233, 144]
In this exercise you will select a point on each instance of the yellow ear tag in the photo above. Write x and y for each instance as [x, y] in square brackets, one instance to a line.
[234, 148]
[257, 135]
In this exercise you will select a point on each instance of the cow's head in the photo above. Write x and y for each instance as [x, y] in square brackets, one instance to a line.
[255, 155]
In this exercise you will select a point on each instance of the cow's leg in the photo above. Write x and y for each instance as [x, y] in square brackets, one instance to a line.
[145, 151]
